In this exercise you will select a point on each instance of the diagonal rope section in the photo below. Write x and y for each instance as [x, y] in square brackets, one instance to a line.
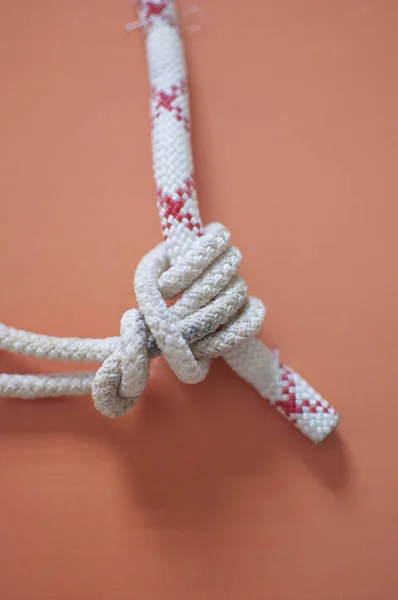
[212, 314]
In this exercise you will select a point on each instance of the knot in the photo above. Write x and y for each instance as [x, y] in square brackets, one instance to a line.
[211, 316]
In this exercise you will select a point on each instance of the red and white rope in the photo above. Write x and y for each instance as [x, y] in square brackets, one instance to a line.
[213, 317]
[180, 218]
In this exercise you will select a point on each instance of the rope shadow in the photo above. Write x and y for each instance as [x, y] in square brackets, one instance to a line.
[186, 451]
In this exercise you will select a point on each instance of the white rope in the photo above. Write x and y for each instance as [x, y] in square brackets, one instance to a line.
[213, 316]
[187, 342]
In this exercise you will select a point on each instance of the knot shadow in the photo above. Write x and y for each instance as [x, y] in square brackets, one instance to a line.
[185, 451]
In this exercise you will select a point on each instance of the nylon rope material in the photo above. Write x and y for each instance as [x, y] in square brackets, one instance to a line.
[213, 315]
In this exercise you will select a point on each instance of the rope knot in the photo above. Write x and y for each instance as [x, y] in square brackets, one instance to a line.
[212, 316]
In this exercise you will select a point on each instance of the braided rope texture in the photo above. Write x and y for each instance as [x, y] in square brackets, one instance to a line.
[171, 128]
[212, 315]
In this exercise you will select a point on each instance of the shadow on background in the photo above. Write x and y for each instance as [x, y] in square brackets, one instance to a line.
[183, 450]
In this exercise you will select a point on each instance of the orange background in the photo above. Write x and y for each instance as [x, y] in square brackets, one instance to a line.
[204, 492]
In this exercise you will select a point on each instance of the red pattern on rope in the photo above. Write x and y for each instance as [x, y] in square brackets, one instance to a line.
[150, 11]
[174, 209]
[288, 405]
[168, 101]
[154, 10]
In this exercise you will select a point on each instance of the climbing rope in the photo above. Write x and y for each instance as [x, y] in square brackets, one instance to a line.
[213, 315]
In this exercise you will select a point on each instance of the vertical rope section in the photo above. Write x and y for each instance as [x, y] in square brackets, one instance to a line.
[180, 220]
[171, 128]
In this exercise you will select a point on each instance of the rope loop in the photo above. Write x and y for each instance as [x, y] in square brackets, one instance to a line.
[211, 316]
